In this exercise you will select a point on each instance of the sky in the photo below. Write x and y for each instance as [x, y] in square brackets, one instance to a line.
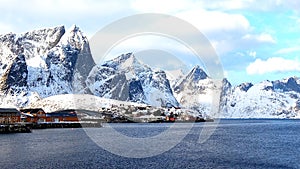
[255, 40]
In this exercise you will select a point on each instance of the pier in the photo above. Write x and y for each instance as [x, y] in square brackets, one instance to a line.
[45, 125]
[15, 128]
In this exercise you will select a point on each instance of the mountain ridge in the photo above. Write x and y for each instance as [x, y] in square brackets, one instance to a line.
[53, 61]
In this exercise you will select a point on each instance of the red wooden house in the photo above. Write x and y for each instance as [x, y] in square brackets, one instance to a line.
[33, 115]
[62, 116]
[9, 116]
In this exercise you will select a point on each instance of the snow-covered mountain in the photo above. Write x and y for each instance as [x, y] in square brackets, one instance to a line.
[198, 91]
[192, 89]
[54, 61]
[126, 78]
[43, 63]
[268, 99]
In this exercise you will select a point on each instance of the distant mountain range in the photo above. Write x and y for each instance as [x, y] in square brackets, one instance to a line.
[55, 61]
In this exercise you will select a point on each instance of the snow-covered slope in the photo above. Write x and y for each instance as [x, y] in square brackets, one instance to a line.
[268, 99]
[196, 90]
[126, 78]
[78, 101]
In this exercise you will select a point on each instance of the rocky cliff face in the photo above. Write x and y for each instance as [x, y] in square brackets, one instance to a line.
[127, 79]
[44, 62]
[14, 80]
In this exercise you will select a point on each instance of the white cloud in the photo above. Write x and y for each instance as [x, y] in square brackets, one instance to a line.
[195, 12]
[271, 65]
[227, 5]
[222, 29]
[288, 50]
[254, 5]
[57, 7]
[166, 6]
[252, 54]
[146, 42]
[263, 38]
[159, 6]
[90, 15]
[212, 21]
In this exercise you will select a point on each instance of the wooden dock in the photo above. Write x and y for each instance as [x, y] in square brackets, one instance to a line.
[45, 125]
[26, 127]
[15, 128]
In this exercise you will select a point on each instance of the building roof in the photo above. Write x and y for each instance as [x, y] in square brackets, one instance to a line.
[32, 111]
[61, 115]
[9, 110]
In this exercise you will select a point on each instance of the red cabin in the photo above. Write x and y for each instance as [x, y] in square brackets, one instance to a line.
[62, 116]
[9, 116]
[33, 115]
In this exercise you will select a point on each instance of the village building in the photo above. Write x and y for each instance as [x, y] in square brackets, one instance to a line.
[9, 116]
[62, 116]
[33, 115]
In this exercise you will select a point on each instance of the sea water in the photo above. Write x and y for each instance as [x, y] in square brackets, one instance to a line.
[234, 144]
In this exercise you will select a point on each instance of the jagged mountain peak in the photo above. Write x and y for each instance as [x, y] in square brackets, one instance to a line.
[41, 34]
[124, 57]
[74, 28]
[30, 44]
[74, 38]
[245, 86]
[294, 78]
[197, 73]
[45, 38]
[129, 79]
[128, 58]
[288, 84]
[127, 63]
[226, 84]
[195, 76]
[46, 32]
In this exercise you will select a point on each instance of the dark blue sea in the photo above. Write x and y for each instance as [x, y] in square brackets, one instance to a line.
[234, 144]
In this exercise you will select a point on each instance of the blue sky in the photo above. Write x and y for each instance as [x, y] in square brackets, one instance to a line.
[255, 40]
